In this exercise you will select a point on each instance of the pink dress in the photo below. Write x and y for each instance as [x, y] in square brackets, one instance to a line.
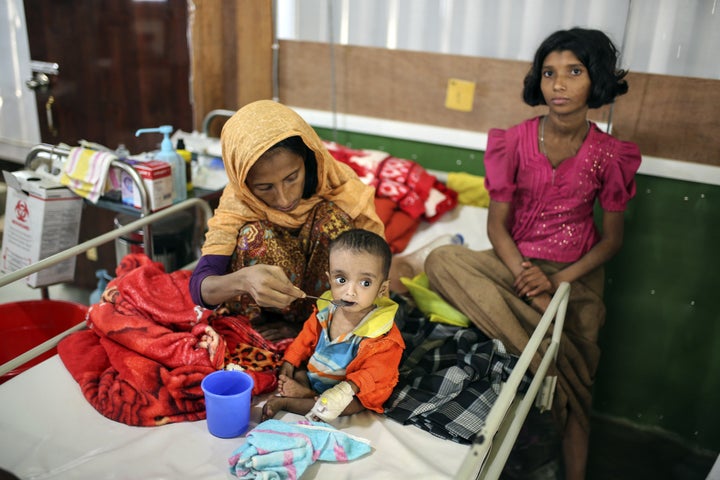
[552, 215]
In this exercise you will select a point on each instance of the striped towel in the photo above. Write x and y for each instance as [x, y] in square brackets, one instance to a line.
[85, 172]
[281, 450]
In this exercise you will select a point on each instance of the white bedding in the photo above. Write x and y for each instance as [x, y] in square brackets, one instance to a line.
[49, 431]
[469, 221]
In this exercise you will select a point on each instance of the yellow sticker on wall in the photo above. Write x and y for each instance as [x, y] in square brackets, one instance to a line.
[460, 95]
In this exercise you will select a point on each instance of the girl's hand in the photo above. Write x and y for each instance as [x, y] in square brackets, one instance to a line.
[532, 282]
[541, 302]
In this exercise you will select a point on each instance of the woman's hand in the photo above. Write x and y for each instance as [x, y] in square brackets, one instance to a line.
[269, 286]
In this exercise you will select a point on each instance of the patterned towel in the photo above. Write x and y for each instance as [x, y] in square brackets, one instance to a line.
[278, 450]
[85, 172]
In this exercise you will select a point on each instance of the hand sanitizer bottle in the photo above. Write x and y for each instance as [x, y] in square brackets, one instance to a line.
[168, 154]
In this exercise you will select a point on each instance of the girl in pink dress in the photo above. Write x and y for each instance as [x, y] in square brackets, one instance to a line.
[544, 177]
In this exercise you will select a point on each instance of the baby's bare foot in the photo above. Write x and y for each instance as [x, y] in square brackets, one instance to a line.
[289, 387]
[272, 407]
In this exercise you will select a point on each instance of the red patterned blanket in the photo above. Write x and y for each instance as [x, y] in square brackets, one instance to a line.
[144, 355]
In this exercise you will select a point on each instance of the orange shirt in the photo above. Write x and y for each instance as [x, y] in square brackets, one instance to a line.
[374, 369]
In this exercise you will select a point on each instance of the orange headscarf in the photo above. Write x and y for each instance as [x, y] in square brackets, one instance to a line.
[249, 133]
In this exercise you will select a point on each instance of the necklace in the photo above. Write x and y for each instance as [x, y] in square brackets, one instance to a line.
[542, 136]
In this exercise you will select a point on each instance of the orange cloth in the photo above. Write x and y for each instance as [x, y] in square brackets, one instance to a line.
[244, 138]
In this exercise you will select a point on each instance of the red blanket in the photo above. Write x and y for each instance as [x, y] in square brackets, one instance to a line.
[140, 362]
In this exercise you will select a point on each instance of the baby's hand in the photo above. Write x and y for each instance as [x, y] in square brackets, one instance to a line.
[331, 403]
[210, 341]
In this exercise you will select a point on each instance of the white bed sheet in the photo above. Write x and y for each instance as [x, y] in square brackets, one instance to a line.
[467, 220]
[49, 431]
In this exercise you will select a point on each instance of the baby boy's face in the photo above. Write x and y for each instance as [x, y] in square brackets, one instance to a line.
[355, 277]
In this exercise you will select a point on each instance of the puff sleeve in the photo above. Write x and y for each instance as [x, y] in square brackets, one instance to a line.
[500, 165]
[619, 176]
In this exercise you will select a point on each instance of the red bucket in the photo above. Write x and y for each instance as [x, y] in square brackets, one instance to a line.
[27, 324]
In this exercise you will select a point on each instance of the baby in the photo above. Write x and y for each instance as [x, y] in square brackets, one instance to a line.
[347, 355]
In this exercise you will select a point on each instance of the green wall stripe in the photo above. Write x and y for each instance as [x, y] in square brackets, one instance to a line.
[430, 156]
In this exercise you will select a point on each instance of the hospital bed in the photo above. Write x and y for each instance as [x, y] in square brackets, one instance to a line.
[49, 430]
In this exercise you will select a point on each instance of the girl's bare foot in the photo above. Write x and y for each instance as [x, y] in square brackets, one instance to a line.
[289, 387]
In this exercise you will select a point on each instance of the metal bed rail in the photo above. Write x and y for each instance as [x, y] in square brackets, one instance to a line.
[81, 248]
[488, 455]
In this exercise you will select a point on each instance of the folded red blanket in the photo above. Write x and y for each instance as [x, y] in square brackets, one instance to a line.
[399, 226]
[415, 191]
[141, 360]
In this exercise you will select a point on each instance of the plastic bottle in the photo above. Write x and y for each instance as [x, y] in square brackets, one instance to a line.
[169, 155]
[187, 156]
[411, 264]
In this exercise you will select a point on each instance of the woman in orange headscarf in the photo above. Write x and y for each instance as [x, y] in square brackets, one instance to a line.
[286, 198]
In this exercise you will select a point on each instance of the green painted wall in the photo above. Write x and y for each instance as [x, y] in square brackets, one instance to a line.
[660, 365]
[661, 343]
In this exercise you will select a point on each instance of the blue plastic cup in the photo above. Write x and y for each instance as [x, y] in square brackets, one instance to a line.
[228, 394]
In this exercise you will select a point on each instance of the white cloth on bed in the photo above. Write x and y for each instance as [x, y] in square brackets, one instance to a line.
[467, 220]
[65, 437]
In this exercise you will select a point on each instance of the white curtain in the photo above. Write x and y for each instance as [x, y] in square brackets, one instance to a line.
[673, 37]
[19, 125]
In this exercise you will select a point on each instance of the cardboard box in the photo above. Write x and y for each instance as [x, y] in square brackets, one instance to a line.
[42, 218]
[157, 177]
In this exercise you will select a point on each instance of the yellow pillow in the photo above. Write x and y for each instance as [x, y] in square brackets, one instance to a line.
[432, 304]
[470, 188]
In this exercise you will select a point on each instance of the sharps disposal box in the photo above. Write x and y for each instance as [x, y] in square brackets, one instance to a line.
[42, 217]
[174, 244]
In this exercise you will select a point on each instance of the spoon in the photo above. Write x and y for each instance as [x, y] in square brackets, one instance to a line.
[339, 303]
